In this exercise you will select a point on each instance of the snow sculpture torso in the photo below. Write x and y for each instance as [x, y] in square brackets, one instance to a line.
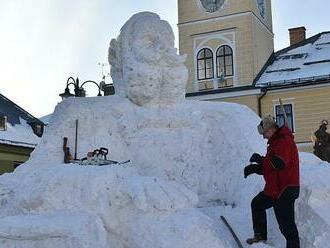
[149, 122]
[145, 66]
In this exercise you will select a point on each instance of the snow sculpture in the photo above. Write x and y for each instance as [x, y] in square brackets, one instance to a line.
[184, 154]
[145, 66]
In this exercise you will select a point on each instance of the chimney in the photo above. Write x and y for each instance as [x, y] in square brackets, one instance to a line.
[297, 34]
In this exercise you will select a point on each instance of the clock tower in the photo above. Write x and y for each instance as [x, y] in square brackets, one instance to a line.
[227, 41]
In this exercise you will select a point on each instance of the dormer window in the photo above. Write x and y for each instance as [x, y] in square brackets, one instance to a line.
[39, 129]
[3, 123]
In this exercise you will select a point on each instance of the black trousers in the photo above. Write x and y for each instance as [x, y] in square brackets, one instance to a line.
[284, 212]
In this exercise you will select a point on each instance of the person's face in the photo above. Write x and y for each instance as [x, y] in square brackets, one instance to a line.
[269, 133]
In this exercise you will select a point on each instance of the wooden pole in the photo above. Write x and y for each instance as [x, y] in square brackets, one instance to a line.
[286, 123]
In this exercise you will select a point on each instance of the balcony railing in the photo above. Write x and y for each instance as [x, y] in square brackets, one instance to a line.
[213, 84]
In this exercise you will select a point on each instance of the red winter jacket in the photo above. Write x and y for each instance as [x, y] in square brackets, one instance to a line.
[282, 145]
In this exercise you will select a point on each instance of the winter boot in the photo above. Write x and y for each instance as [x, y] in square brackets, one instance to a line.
[256, 239]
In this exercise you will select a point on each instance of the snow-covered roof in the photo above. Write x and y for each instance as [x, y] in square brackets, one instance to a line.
[19, 135]
[19, 130]
[308, 60]
[15, 112]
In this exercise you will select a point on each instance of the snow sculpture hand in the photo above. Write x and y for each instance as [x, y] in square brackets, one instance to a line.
[145, 66]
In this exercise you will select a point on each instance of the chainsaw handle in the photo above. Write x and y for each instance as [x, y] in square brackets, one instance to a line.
[96, 152]
[104, 150]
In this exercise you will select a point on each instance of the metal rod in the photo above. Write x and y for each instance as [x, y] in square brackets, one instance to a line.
[76, 141]
[238, 242]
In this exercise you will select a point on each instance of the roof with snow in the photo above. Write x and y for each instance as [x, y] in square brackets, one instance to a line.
[302, 62]
[21, 125]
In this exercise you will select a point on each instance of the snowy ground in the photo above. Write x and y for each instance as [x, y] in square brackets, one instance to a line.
[312, 209]
[186, 171]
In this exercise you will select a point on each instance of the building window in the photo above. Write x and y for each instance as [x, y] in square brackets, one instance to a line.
[3, 123]
[280, 116]
[225, 66]
[205, 64]
[38, 129]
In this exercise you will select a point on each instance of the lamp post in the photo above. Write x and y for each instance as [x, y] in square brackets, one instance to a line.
[79, 91]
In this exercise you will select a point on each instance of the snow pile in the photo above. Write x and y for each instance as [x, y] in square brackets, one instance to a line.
[113, 206]
[189, 143]
[59, 229]
[313, 205]
[175, 151]
[186, 170]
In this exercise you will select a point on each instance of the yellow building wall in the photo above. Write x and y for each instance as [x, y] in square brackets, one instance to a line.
[243, 54]
[263, 45]
[9, 155]
[310, 106]
[250, 101]
[238, 24]
[191, 10]
[304, 148]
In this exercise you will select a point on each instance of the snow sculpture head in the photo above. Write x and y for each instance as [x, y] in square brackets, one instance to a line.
[145, 66]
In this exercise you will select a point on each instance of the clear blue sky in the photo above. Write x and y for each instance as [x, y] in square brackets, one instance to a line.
[43, 42]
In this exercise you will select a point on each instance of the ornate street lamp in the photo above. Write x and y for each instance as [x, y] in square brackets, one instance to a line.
[79, 91]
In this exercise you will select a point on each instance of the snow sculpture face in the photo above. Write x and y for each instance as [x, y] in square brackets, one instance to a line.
[145, 66]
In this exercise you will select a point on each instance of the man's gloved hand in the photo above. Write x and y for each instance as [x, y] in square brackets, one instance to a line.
[248, 170]
[256, 158]
[252, 168]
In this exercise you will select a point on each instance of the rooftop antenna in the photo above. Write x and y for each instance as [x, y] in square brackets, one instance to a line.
[104, 72]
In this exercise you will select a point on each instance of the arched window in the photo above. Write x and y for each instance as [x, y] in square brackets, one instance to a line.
[225, 66]
[205, 64]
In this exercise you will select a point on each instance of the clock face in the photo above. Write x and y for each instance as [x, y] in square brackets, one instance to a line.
[261, 7]
[212, 5]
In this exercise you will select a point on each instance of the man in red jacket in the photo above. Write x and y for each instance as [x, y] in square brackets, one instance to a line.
[280, 168]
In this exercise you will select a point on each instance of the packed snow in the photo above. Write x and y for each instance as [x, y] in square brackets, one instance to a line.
[186, 170]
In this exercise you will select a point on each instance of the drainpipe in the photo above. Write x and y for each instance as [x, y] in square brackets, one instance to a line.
[264, 92]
